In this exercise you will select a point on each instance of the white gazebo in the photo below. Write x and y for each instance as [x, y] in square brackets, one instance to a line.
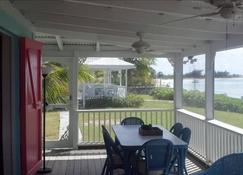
[107, 89]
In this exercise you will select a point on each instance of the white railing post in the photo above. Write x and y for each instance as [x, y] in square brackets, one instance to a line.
[178, 82]
[73, 117]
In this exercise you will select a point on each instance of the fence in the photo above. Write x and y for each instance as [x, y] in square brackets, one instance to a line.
[211, 139]
[91, 121]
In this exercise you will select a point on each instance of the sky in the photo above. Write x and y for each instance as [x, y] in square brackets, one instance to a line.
[230, 60]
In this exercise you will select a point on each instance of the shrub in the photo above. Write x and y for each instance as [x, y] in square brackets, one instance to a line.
[163, 93]
[221, 102]
[131, 101]
[194, 98]
[134, 101]
[197, 99]
[230, 104]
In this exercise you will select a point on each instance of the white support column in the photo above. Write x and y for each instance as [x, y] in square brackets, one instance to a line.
[209, 83]
[83, 94]
[126, 82]
[120, 74]
[109, 76]
[178, 81]
[73, 116]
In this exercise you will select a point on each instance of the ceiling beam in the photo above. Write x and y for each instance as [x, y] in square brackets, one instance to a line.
[85, 34]
[67, 54]
[59, 42]
[113, 39]
[119, 47]
[109, 39]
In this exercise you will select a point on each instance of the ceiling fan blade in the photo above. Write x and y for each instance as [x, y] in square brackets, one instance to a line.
[191, 17]
[210, 14]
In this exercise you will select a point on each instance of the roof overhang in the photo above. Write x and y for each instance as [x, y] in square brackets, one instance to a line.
[108, 64]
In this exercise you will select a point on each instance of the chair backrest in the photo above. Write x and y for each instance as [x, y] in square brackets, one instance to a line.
[110, 145]
[157, 154]
[176, 129]
[185, 135]
[228, 165]
[132, 121]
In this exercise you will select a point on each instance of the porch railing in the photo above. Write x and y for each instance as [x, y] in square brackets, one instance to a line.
[91, 121]
[211, 139]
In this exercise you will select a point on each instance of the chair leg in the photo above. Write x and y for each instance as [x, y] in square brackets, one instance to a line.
[172, 164]
[104, 170]
[185, 170]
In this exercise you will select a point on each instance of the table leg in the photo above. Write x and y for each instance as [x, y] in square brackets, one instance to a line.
[181, 161]
[127, 162]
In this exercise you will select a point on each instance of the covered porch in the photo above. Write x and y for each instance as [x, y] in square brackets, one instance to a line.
[76, 29]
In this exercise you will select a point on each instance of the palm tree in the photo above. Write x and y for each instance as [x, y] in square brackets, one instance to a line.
[57, 89]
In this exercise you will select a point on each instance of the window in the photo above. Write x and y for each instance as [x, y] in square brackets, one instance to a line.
[228, 92]
[194, 84]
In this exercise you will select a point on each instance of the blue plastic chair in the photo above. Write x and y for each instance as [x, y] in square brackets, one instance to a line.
[114, 158]
[154, 156]
[184, 135]
[228, 165]
[176, 129]
[132, 121]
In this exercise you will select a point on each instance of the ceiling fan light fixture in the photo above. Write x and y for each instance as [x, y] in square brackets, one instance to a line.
[140, 46]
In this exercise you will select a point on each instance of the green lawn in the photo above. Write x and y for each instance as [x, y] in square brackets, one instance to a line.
[107, 119]
[235, 119]
[146, 97]
[52, 125]
[161, 104]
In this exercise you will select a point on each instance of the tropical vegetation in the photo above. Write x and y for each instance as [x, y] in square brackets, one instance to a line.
[57, 81]
[197, 99]
[143, 74]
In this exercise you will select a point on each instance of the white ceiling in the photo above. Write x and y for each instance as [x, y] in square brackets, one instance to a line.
[110, 26]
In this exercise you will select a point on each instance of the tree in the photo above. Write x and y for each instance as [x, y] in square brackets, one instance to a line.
[57, 82]
[160, 75]
[143, 74]
[194, 74]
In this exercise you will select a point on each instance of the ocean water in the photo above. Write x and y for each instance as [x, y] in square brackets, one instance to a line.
[232, 87]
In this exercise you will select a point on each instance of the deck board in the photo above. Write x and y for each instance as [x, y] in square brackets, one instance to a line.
[87, 162]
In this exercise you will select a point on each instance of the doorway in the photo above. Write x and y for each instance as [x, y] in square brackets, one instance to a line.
[5, 106]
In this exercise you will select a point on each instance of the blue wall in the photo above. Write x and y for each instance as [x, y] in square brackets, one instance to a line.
[15, 30]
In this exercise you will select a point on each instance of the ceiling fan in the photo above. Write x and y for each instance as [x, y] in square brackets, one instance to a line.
[227, 9]
[140, 46]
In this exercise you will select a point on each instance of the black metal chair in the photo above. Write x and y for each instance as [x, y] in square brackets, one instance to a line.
[114, 163]
[154, 157]
[132, 121]
[227, 165]
[185, 135]
[176, 129]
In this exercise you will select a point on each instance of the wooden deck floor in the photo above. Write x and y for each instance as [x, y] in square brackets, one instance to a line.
[87, 162]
